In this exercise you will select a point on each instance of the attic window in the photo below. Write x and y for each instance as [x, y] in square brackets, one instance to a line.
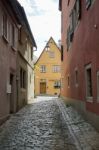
[51, 54]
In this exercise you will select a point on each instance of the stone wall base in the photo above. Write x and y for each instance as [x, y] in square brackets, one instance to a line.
[80, 106]
[3, 119]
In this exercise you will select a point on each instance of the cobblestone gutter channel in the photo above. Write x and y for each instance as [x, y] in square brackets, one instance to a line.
[48, 125]
[84, 135]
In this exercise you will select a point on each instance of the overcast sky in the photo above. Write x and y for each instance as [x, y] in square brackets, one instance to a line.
[44, 19]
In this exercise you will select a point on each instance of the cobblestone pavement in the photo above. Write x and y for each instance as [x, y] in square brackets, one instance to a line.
[48, 124]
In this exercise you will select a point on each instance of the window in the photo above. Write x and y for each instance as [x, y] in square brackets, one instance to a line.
[51, 54]
[56, 68]
[5, 26]
[88, 3]
[74, 19]
[57, 84]
[19, 34]
[98, 86]
[76, 77]
[88, 83]
[31, 53]
[68, 38]
[62, 53]
[68, 2]
[42, 68]
[78, 9]
[71, 28]
[68, 81]
[13, 36]
[22, 78]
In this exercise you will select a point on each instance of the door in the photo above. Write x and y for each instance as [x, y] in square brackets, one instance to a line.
[43, 88]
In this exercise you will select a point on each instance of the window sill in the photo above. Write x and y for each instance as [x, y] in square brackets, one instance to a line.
[97, 99]
[89, 99]
[5, 39]
[23, 90]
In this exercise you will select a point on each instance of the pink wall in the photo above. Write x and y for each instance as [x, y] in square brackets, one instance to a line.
[84, 50]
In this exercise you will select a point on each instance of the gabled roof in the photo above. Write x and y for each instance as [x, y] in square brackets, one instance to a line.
[45, 47]
[21, 16]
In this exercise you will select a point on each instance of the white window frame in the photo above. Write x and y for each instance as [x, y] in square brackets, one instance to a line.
[56, 68]
[5, 27]
[88, 98]
[43, 68]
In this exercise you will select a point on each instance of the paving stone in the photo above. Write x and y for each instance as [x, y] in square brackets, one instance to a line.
[48, 124]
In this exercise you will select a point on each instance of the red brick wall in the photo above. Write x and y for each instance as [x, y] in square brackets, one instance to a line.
[84, 50]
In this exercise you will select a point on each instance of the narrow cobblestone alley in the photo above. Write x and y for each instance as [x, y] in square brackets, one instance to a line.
[48, 124]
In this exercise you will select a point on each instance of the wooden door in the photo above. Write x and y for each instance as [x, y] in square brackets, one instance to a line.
[43, 88]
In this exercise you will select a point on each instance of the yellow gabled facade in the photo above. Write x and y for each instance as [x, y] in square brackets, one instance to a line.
[48, 70]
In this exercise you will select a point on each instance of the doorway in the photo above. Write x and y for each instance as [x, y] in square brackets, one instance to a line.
[43, 88]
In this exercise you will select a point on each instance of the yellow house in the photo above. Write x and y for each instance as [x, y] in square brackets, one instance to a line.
[48, 70]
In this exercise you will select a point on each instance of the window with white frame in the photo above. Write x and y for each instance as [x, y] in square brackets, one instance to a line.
[56, 68]
[5, 26]
[88, 74]
[42, 68]
[13, 35]
[98, 86]
[57, 84]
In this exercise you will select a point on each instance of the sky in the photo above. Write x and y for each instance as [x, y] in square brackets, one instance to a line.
[44, 19]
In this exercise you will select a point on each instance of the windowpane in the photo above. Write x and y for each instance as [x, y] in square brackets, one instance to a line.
[56, 68]
[57, 84]
[5, 25]
[13, 36]
[42, 68]
[88, 82]
[22, 78]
